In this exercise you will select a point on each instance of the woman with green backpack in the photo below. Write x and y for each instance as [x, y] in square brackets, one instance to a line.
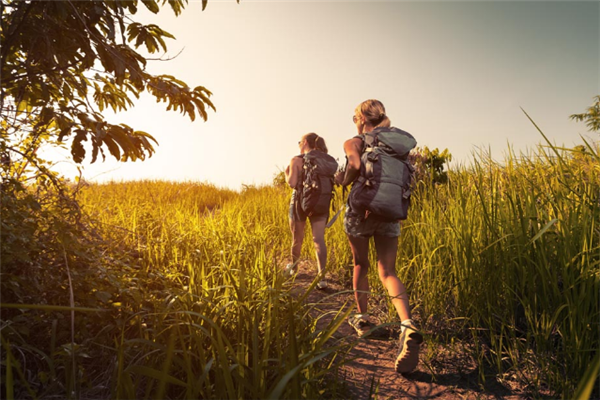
[380, 174]
[310, 174]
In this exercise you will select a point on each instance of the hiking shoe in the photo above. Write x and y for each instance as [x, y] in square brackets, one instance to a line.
[322, 284]
[410, 343]
[289, 270]
[360, 324]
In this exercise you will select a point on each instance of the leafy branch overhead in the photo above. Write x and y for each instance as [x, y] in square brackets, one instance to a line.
[64, 62]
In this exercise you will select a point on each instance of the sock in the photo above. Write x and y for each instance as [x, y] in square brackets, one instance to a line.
[406, 322]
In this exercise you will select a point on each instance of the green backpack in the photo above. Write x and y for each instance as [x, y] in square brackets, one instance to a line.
[383, 187]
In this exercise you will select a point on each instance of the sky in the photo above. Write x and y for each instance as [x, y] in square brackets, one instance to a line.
[455, 75]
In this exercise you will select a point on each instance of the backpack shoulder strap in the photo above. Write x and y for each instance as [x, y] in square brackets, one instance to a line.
[370, 139]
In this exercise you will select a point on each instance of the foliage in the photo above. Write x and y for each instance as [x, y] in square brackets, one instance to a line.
[429, 164]
[279, 179]
[189, 302]
[591, 117]
[64, 62]
[50, 259]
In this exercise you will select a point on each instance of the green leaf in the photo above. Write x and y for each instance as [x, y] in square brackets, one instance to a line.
[131, 5]
[77, 150]
[121, 137]
[133, 30]
[150, 44]
[164, 33]
[151, 5]
[176, 6]
[113, 148]
[103, 296]
[145, 135]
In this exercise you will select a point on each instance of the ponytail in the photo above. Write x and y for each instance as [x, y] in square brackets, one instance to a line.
[315, 142]
[374, 112]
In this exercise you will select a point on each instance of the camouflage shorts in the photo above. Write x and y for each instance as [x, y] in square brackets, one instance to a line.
[355, 224]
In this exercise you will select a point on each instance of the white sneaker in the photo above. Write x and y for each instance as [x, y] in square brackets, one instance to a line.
[410, 343]
[361, 324]
[322, 284]
[289, 270]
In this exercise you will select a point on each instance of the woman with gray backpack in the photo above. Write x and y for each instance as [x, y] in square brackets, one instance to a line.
[380, 173]
[310, 174]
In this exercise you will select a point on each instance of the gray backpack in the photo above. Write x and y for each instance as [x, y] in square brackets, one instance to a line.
[317, 182]
[383, 187]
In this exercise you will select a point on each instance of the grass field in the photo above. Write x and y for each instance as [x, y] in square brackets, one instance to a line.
[506, 256]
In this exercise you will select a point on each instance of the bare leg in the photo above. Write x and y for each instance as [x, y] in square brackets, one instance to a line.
[387, 248]
[318, 233]
[297, 228]
[360, 282]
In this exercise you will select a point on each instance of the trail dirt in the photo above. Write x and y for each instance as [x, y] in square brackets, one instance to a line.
[443, 372]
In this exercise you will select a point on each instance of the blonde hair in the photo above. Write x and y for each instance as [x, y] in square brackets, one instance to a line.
[315, 142]
[374, 112]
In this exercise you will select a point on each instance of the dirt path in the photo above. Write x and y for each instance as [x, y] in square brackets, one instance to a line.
[441, 374]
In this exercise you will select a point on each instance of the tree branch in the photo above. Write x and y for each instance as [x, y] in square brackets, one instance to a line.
[6, 46]
[167, 59]
[29, 74]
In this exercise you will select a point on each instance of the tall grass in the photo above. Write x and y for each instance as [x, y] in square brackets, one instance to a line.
[233, 331]
[506, 255]
[513, 251]
[203, 311]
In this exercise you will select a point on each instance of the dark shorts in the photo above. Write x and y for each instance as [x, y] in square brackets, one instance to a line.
[302, 215]
[355, 224]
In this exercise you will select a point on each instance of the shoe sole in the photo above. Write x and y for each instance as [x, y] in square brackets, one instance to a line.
[407, 360]
[362, 332]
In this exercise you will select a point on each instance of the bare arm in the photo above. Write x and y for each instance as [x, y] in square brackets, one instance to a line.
[293, 172]
[353, 149]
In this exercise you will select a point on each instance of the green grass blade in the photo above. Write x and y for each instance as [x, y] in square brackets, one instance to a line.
[543, 230]
[164, 375]
[10, 393]
[15, 366]
[586, 385]
[279, 388]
